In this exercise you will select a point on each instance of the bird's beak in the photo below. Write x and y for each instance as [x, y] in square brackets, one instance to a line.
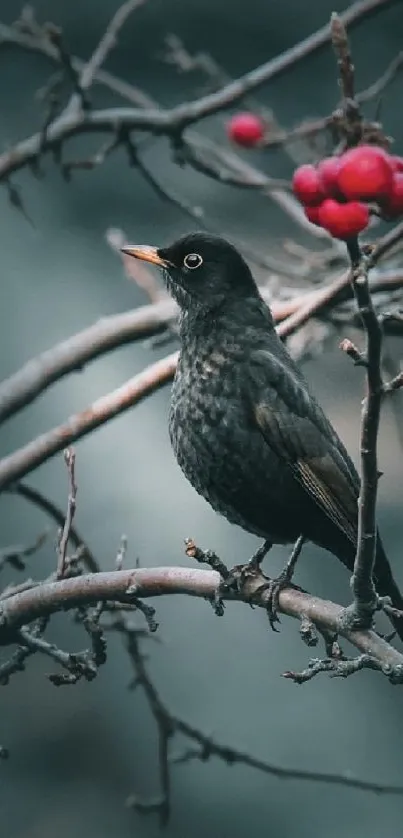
[147, 254]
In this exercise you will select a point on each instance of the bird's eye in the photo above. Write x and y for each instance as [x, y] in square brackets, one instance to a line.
[192, 261]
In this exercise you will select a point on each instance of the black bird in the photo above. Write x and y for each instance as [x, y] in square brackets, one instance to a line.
[246, 431]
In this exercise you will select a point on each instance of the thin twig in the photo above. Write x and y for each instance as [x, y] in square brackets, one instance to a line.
[206, 747]
[107, 42]
[40, 501]
[55, 36]
[70, 460]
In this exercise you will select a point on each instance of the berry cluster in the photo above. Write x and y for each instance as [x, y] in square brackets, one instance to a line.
[336, 193]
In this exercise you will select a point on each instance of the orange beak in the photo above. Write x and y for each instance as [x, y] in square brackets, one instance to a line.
[147, 254]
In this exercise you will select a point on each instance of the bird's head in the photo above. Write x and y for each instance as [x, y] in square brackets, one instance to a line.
[201, 271]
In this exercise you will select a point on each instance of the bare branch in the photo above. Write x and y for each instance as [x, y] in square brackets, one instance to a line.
[55, 36]
[173, 122]
[37, 499]
[72, 354]
[48, 598]
[311, 127]
[21, 388]
[30, 456]
[33, 38]
[365, 598]
[78, 664]
[107, 42]
[205, 747]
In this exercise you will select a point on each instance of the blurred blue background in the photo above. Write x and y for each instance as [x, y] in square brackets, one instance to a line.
[76, 753]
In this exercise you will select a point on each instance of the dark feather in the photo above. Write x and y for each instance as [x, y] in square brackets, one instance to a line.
[295, 427]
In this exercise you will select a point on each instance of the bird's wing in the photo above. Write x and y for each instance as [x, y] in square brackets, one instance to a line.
[295, 427]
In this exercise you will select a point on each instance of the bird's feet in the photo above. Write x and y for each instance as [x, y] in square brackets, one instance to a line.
[239, 575]
[283, 580]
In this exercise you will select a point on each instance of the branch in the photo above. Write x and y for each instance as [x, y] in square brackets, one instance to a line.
[107, 42]
[365, 601]
[30, 456]
[71, 355]
[172, 122]
[124, 585]
[33, 38]
[311, 127]
[205, 747]
[40, 501]
[362, 579]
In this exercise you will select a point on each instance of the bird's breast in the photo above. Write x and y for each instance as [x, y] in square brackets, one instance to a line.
[217, 445]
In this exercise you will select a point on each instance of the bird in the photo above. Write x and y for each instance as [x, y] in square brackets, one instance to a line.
[246, 430]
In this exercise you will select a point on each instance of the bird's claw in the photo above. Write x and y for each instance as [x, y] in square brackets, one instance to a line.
[283, 580]
[238, 577]
[273, 587]
[235, 581]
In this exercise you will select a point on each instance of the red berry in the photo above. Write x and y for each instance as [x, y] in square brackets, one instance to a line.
[396, 163]
[393, 207]
[307, 185]
[343, 221]
[365, 173]
[329, 171]
[245, 129]
[312, 214]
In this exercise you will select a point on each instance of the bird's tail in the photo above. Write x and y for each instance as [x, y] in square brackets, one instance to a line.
[386, 585]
